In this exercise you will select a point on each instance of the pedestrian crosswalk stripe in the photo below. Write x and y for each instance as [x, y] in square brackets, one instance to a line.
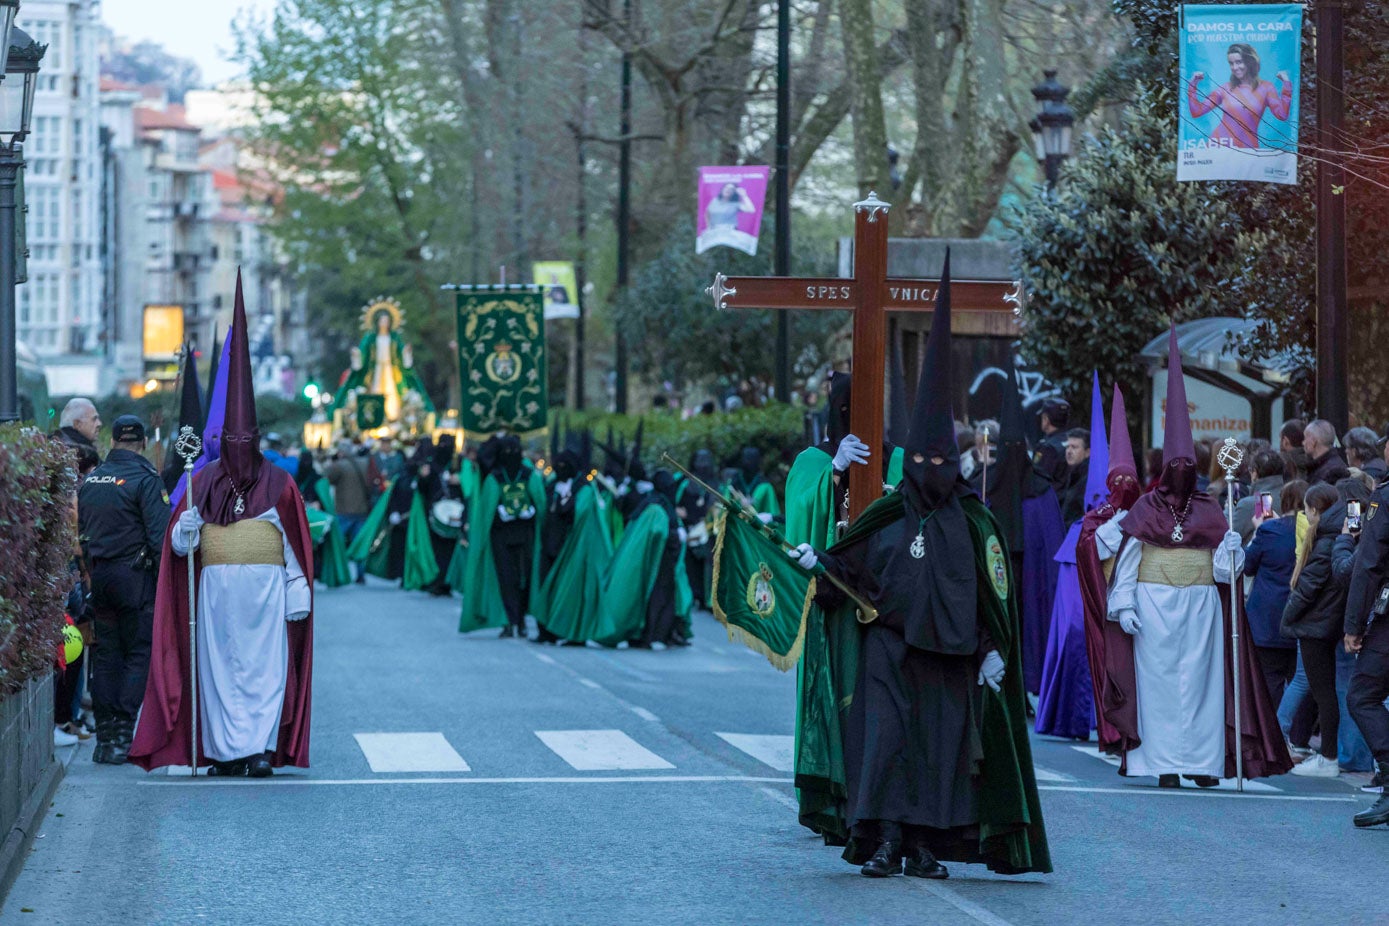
[773, 750]
[600, 750]
[1226, 784]
[410, 752]
[1046, 774]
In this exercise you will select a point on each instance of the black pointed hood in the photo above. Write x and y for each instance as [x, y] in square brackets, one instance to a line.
[837, 407]
[216, 356]
[928, 485]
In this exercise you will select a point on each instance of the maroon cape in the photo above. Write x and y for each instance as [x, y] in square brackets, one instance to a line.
[1265, 750]
[163, 735]
[1109, 649]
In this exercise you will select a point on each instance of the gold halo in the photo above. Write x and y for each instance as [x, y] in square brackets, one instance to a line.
[376, 307]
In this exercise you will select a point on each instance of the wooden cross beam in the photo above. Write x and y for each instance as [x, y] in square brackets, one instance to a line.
[870, 295]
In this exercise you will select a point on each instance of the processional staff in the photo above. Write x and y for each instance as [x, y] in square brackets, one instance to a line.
[1230, 458]
[189, 446]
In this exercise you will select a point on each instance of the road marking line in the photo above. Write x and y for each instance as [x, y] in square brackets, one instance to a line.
[644, 714]
[1197, 792]
[784, 799]
[410, 752]
[967, 907]
[770, 749]
[548, 660]
[289, 780]
[590, 683]
[1226, 784]
[600, 750]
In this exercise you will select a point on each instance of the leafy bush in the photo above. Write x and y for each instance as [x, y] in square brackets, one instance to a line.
[777, 430]
[36, 486]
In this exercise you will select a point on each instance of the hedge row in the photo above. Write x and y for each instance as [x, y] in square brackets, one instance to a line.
[36, 533]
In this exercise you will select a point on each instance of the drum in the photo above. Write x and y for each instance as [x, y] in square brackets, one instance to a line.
[446, 518]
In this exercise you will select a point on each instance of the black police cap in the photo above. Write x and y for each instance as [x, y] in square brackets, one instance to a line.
[128, 428]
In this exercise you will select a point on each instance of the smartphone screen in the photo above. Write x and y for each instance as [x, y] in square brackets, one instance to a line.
[1353, 515]
[1266, 504]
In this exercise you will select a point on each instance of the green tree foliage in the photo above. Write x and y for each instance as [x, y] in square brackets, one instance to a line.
[677, 336]
[1121, 248]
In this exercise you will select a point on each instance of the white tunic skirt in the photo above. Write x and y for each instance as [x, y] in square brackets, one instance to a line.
[243, 650]
[1179, 664]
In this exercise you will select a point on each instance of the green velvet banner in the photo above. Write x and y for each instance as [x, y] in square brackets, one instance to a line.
[501, 358]
[371, 411]
[760, 596]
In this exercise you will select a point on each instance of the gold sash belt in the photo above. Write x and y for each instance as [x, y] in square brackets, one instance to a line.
[244, 543]
[1179, 568]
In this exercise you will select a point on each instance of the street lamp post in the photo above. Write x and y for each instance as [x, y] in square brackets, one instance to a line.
[22, 56]
[1051, 129]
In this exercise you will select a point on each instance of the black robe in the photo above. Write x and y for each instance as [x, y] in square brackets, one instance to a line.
[912, 747]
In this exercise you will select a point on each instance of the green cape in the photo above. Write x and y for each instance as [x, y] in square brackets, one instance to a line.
[631, 576]
[372, 545]
[482, 594]
[830, 648]
[335, 570]
[1012, 836]
[568, 602]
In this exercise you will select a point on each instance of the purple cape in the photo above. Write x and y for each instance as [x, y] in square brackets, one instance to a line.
[1042, 534]
[1066, 705]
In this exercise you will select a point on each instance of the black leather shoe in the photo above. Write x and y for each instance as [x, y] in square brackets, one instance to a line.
[235, 769]
[1376, 814]
[887, 861]
[102, 754]
[1203, 781]
[259, 766]
[507, 631]
[1169, 781]
[924, 865]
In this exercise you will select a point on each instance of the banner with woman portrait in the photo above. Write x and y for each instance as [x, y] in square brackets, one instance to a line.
[1239, 100]
[730, 207]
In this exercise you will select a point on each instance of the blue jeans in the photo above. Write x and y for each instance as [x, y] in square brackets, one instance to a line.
[1354, 753]
[1293, 695]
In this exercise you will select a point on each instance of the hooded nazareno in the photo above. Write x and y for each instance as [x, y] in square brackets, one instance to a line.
[236, 486]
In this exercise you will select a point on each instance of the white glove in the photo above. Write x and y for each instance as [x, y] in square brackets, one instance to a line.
[1128, 620]
[562, 489]
[527, 513]
[804, 555]
[991, 670]
[764, 517]
[1233, 543]
[395, 518]
[624, 487]
[187, 533]
[1109, 536]
[683, 534]
[851, 450]
[645, 487]
[505, 516]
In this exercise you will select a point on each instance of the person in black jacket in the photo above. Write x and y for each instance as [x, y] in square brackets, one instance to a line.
[1327, 465]
[122, 514]
[1313, 616]
[1367, 634]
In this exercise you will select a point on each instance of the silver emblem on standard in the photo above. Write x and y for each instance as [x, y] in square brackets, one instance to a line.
[918, 548]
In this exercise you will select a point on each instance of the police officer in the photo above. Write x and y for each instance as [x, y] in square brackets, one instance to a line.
[1367, 603]
[122, 513]
[1050, 458]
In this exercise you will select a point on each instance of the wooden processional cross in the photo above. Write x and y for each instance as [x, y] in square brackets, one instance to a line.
[870, 295]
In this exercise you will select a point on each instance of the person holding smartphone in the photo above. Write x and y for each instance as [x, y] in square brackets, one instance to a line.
[1264, 493]
[1313, 615]
[1269, 560]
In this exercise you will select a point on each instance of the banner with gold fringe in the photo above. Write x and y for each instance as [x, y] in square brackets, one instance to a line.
[759, 594]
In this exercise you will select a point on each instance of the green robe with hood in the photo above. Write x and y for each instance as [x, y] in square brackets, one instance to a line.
[372, 545]
[632, 575]
[1012, 836]
[568, 603]
[334, 570]
[482, 596]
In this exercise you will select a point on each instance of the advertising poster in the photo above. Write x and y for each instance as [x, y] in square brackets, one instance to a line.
[556, 281]
[730, 207]
[1240, 97]
[501, 356]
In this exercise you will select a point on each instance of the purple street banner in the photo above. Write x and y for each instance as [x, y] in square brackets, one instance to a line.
[730, 207]
[1239, 100]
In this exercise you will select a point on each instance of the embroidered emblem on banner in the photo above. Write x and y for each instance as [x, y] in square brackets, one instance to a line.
[761, 597]
[998, 568]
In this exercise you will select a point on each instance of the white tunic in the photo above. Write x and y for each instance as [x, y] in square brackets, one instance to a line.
[1179, 664]
[243, 650]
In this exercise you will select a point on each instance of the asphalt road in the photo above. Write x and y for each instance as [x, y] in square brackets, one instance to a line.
[562, 785]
